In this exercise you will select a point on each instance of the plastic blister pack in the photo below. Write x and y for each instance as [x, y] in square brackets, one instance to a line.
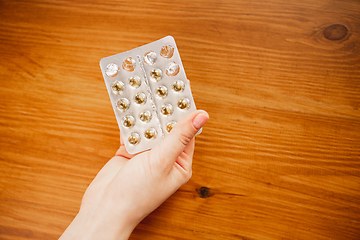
[149, 92]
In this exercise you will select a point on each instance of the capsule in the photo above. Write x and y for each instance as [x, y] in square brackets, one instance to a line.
[167, 51]
[172, 69]
[123, 104]
[117, 87]
[134, 138]
[150, 58]
[161, 92]
[170, 126]
[128, 121]
[145, 116]
[140, 98]
[183, 103]
[129, 64]
[150, 133]
[112, 70]
[167, 109]
[156, 75]
[135, 81]
[178, 86]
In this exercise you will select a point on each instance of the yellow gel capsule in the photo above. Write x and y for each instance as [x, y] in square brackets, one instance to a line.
[183, 103]
[123, 104]
[134, 138]
[167, 109]
[156, 75]
[140, 98]
[161, 92]
[150, 133]
[178, 86]
[117, 87]
[128, 121]
[145, 116]
[134, 81]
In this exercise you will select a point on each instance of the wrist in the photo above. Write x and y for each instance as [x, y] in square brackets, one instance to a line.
[99, 224]
[105, 223]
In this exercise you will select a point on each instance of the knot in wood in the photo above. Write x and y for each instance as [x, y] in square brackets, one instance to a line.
[335, 32]
[204, 192]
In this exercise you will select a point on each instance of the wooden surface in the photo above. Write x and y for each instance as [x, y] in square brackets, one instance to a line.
[279, 159]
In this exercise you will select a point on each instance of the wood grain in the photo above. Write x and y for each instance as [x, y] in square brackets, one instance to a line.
[279, 159]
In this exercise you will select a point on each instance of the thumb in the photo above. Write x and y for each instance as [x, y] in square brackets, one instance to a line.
[175, 143]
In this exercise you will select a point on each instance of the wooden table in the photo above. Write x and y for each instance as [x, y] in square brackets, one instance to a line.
[279, 159]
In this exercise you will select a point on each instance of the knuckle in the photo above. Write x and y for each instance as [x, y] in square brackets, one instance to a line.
[184, 139]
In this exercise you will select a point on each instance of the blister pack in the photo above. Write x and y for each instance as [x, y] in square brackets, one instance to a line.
[149, 92]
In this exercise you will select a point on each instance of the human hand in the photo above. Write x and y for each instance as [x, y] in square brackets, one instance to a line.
[129, 187]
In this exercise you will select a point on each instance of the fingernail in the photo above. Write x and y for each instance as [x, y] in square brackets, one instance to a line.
[200, 120]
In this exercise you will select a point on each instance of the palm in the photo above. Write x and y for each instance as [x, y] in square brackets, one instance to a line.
[145, 181]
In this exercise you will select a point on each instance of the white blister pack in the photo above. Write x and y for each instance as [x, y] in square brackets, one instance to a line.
[149, 92]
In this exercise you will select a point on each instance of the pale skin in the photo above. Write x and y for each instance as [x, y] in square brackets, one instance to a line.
[129, 187]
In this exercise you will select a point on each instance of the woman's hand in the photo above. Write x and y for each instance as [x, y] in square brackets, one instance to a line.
[129, 187]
